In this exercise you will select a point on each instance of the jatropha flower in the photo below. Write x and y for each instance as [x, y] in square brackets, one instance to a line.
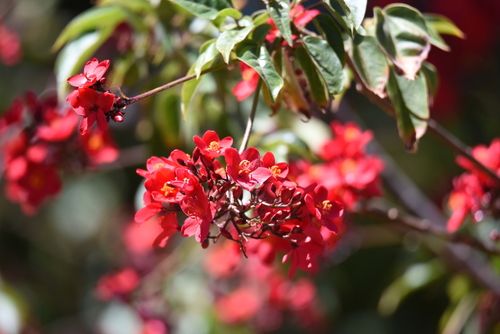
[36, 140]
[251, 199]
[92, 73]
[474, 192]
[90, 100]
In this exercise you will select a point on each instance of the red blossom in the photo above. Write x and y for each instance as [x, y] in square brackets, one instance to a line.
[200, 214]
[10, 47]
[323, 209]
[92, 106]
[246, 87]
[210, 144]
[244, 169]
[92, 73]
[117, 284]
[99, 147]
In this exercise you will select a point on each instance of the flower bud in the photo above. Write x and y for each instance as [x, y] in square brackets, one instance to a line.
[118, 117]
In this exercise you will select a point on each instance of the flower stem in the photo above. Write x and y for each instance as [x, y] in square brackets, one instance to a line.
[125, 102]
[251, 117]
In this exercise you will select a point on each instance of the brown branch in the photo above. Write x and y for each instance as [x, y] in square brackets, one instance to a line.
[128, 101]
[383, 211]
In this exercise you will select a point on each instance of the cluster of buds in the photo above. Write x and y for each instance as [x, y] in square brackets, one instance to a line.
[91, 100]
[36, 141]
[474, 192]
[251, 198]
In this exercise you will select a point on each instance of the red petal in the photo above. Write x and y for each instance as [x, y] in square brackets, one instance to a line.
[77, 80]
[102, 123]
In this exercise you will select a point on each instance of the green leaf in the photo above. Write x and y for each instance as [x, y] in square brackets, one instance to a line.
[208, 52]
[402, 33]
[432, 79]
[207, 9]
[229, 38]
[436, 40]
[259, 33]
[412, 108]
[136, 6]
[258, 58]
[349, 13]
[443, 25]
[327, 62]
[75, 54]
[315, 82]
[416, 277]
[93, 19]
[260, 17]
[279, 10]
[224, 14]
[187, 92]
[166, 118]
[325, 24]
[371, 63]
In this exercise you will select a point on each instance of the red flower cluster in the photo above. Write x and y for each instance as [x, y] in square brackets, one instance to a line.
[300, 17]
[90, 100]
[348, 173]
[264, 297]
[35, 141]
[474, 191]
[251, 198]
[10, 47]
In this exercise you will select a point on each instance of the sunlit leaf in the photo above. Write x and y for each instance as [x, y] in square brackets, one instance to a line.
[207, 9]
[332, 34]
[402, 33]
[279, 11]
[97, 18]
[189, 89]
[349, 13]
[410, 101]
[229, 38]
[327, 62]
[208, 52]
[371, 63]
[443, 25]
[259, 59]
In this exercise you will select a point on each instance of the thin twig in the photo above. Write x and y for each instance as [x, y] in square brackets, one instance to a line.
[251, 117]
[380, 210]
[125, 102]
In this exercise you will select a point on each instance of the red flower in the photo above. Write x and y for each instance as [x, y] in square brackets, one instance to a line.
[299, 16]
[58, 126]
[305, 251]
[211, 146]
[246, 87]
[92, 73]
[323, 209]
[99, 147]
[37, 183]
[464, 199]
[117, 284]
[244, 169]
[10, 47]
[201, 213]
[92, 106]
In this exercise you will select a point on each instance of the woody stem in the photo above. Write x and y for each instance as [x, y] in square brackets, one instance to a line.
[125, 102]
[251, 117]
